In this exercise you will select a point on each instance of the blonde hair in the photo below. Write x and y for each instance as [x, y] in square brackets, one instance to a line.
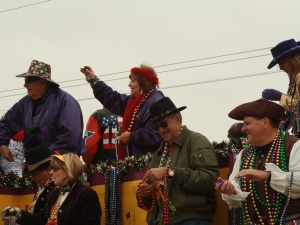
[295, 61]
[72, 165]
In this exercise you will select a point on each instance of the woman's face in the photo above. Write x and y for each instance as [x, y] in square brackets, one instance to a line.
[59, 176]
[286, 66]
[134, 87]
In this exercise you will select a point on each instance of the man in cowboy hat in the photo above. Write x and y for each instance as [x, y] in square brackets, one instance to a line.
[265, 180]
[180, 179]
[287, 55]
[45, 105]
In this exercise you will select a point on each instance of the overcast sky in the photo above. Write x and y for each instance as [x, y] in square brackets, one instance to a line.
[197, 39]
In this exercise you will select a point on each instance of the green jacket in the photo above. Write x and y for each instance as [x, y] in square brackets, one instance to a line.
[191, 190]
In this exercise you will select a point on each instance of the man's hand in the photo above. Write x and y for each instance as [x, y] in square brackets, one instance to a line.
[154, 174]
[225, 186]
[6, 153]
[146, 189]
[252, 174]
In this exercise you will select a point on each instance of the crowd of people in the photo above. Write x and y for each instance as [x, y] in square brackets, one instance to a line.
[182, 180]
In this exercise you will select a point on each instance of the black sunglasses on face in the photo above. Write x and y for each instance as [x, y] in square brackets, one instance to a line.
[55, 168]
[30, 80]
[162, 124]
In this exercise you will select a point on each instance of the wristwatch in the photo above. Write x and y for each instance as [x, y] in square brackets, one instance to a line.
[171, 173]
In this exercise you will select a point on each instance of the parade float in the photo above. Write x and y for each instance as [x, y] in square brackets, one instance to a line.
[116, 184]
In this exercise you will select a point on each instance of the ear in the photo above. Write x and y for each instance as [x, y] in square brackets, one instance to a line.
[266, 122]
[178, 118]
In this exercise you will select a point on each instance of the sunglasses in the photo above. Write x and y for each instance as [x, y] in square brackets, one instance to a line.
[162, 124]
[30, 80]
[55, 168]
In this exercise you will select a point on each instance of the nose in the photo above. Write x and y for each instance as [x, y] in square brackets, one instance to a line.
[243, 128]
[281, 67]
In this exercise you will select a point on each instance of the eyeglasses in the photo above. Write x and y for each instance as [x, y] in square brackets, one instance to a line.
[30, 80]
[55, 168]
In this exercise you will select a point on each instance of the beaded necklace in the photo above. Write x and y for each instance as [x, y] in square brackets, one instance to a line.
[36, 196]
[11, 221]
[113, 200]
[161, 190]
[272, 200]
[294, 105]
[283, 217]
[131, 111]
[53, 212]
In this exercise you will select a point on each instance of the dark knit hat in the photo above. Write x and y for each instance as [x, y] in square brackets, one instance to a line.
[260, 108]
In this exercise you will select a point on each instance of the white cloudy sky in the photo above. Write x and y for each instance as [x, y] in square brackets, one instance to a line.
[113, 36]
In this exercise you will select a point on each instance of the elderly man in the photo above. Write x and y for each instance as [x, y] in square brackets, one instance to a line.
[45, 105]
[265, 181]
[178, 187]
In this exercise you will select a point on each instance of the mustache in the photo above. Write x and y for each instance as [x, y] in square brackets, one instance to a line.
[165, 132]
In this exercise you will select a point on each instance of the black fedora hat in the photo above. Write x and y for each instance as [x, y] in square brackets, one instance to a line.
[283, 50]
[37, 157]
[161, 109]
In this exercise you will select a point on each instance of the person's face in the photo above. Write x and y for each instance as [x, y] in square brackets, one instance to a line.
[35, 86]
[254, 128]
[134, 87]
[59, 176]
[41, 177]
[286, 66]
[169, 127]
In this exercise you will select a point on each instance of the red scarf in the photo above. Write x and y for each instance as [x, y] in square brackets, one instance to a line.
[130, 113]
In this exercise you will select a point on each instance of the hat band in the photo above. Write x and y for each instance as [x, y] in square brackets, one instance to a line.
[144, 73]
[163, 114]
[36, 165]
[286, 52]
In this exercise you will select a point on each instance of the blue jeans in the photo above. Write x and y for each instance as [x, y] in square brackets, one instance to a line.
[194, 222]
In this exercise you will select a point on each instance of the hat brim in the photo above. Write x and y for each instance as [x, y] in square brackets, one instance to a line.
[22, 75]
[155, 121]
[283, 56]
[38, 165]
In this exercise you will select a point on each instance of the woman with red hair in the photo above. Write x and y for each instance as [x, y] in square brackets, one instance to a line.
[135, 139]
